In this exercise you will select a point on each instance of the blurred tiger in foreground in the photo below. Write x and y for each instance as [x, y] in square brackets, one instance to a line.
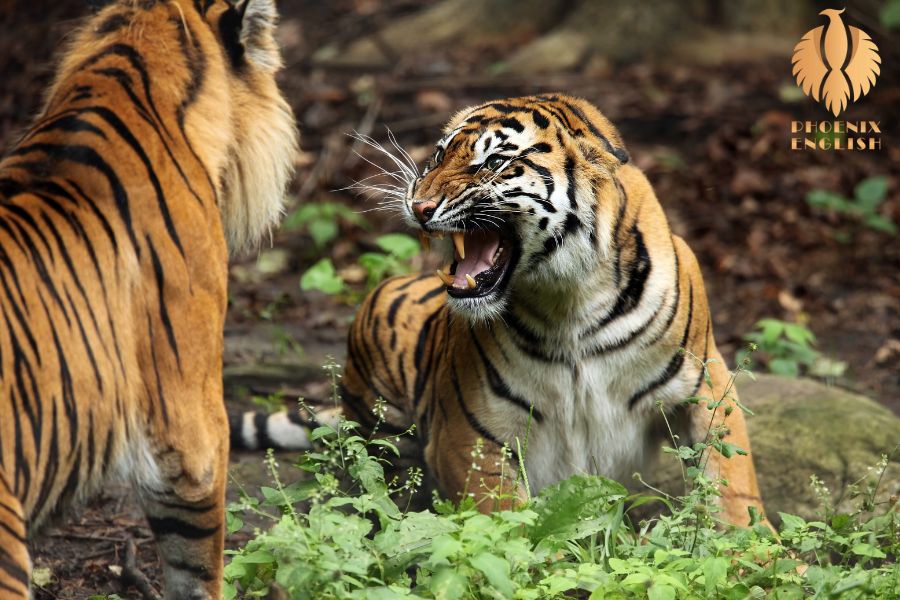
[163, 142]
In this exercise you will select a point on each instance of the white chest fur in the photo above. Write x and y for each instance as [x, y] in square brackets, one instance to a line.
[583, 423]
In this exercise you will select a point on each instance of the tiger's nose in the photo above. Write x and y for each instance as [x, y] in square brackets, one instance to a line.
[424, 210]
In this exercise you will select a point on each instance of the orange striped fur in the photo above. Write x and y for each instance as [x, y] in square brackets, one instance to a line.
[163, 141]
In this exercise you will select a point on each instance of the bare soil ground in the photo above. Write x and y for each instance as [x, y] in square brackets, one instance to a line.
[713, 140]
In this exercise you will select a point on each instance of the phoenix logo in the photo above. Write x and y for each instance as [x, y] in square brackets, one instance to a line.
[835, 60]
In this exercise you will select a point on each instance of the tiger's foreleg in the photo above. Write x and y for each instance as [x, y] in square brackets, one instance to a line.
[727, 420]
[15, 565]
[466, 464]
[185, 510]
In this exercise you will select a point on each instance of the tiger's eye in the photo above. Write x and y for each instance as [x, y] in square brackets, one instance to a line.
[494, 162]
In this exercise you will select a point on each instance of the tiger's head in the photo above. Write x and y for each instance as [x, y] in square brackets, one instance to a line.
[519, 186]
[204, 72]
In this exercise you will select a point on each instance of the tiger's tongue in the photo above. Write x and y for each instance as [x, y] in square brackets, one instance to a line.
[480, 249]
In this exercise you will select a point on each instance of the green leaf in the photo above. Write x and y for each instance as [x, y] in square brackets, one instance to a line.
[784, 367]
[870, 192]
[496, 570]
[799, 334]
[402, 246]
[322, 231]
[660, 591]
[827, 200]
[791, 522]
[738, 592]
[233, 522]
[879, 223]
[576, 507]
[715, 570]
[448, 584]
[771, 329]
[867, 550]
[322, 277]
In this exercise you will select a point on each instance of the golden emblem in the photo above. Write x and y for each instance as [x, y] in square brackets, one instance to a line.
[834, 60]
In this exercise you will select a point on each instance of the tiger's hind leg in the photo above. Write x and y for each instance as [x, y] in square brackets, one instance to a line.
[15, 565]
[742, 491]
[185, 511]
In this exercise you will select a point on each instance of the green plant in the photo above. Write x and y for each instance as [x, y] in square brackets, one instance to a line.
[323, 277]
[321, 221]
[867, 197]
[574, 539]
[789, 348]
[397, 249]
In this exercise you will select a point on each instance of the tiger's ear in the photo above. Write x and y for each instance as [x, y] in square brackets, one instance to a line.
[258, 19]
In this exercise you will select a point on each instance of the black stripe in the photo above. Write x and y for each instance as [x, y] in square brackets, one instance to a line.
[159, 387]
[136, 61]
[394, 307]
[125, 133]
[513, 124]
[161, 526]
[124, 80]
[675, 363]
[473, 422]
[199, 571]
[500, 387]
[539, 119]
[14, 570]
[13, 533]
[549, 185]
[361, 410]
[431, 294]
[524, 339]
[630, 297]
[87, 156]
[570, 179]
[161, 299]
[112, 23]
[263, 441]
[194, 508]
[423, 370]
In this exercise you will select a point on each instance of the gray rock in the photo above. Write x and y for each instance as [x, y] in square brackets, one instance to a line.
[803, 428]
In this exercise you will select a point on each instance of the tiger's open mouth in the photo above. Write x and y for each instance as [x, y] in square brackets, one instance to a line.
[481, 261]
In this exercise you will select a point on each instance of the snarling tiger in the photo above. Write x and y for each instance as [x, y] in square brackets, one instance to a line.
[569, 321]
[164, 141]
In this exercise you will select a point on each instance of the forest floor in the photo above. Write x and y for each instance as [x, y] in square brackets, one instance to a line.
[713, 139]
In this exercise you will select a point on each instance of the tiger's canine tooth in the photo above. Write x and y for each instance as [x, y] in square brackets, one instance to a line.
[447, 279]
[425, 241]
[439, 235]
[471, 281]
[460, 243]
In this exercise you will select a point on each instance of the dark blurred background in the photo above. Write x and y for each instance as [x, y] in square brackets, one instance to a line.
[703, 94]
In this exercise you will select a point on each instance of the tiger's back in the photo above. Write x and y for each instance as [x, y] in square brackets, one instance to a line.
[117, 208]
